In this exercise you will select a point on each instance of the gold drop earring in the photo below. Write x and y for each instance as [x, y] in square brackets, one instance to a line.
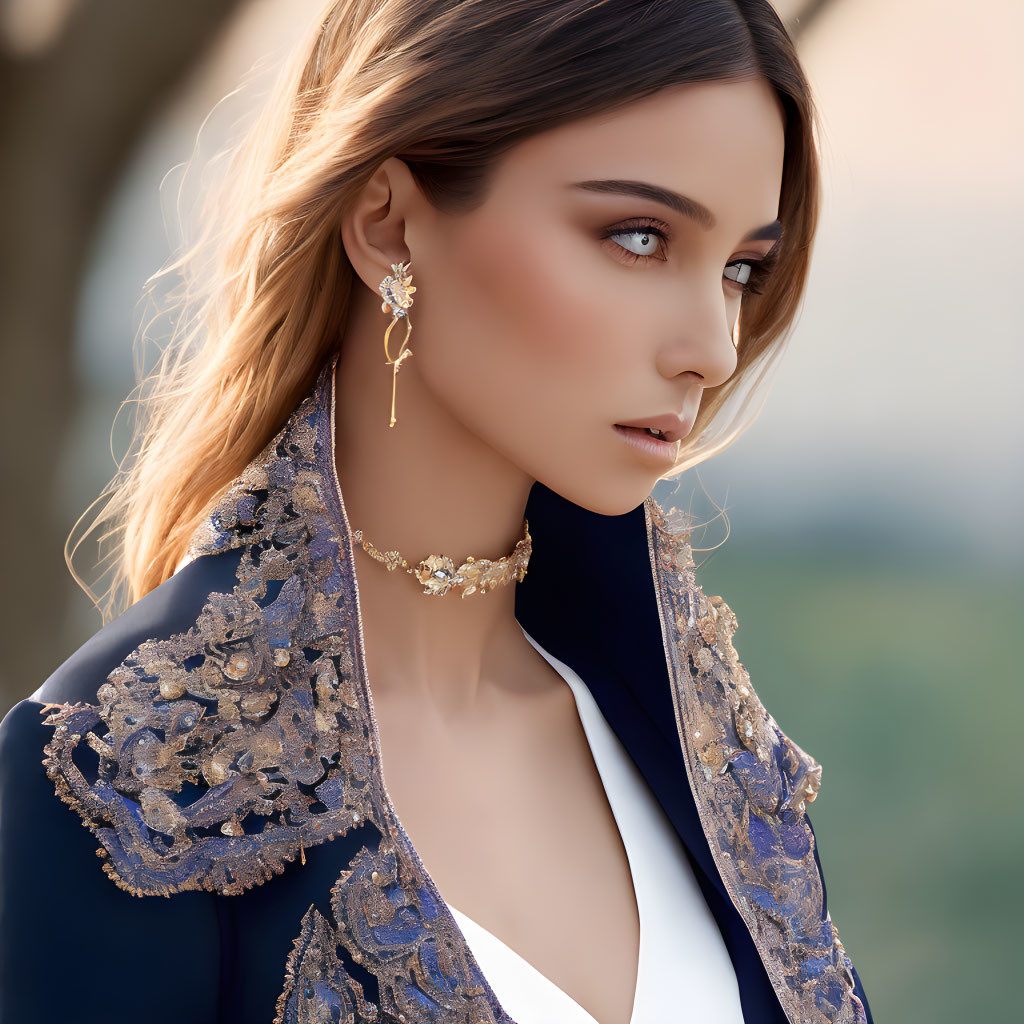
[397, 289]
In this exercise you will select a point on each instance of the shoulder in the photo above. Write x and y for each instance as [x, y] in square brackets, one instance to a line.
[171, 608]
[181, 733]
[42, 759]
[57, 905]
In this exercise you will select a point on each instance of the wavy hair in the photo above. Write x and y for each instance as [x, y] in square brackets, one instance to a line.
[447, 86]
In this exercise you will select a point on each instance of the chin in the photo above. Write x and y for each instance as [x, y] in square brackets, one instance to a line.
[614, 498]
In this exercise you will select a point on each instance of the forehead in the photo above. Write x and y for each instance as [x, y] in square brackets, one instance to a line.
[708, 139]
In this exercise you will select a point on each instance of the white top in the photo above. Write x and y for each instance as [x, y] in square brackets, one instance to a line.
[684, 965]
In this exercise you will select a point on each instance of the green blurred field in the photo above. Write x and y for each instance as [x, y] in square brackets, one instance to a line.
[903, 681]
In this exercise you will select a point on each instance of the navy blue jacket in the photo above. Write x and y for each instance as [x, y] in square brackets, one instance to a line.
[199, 831]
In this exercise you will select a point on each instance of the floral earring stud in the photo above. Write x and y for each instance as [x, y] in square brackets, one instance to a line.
[397, 289]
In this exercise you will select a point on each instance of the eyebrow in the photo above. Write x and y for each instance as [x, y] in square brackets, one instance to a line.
[684, 205]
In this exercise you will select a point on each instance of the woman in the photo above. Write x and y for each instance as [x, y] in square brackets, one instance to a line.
[587, 194]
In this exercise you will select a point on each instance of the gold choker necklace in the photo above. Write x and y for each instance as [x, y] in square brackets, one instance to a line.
[438, 573]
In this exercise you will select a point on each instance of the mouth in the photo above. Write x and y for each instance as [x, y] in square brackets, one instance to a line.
[669, 426]
[649, 440]
[650, 430]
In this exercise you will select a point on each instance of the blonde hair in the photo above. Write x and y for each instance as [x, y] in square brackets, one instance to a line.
[446, 86]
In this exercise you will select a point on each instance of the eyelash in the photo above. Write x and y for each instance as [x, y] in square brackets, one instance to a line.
[760, 269]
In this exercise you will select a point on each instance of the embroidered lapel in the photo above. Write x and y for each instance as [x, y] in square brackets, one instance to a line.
[219, 755]
[228, 750]
[751, 784]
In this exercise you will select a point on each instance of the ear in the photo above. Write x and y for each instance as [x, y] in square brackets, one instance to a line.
[373, 228]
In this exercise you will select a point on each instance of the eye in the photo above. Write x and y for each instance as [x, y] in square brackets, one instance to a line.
[651, 238]
[647, 236]
[751, 275]
[743, 269]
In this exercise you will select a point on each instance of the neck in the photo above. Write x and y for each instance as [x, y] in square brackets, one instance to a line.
[425, 486]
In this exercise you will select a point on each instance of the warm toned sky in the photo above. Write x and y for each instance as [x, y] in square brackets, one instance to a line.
[896, 418]
[902, 390]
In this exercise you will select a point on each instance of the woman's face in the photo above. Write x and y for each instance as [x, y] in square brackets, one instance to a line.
[599, 284]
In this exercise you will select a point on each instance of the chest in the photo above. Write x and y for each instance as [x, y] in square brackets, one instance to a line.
[499, 807]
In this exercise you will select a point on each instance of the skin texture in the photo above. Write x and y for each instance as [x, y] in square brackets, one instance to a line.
[532, 336]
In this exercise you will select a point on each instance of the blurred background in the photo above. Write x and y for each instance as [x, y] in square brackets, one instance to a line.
[874, 556]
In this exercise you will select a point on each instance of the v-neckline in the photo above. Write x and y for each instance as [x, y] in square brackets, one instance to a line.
[574, 682]
[556, 992]
[335, 484]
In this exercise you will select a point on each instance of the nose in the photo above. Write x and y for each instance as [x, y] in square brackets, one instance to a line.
[702, 343]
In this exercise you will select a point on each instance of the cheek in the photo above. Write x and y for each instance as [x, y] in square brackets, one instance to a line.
[530, 345]
[516, 319]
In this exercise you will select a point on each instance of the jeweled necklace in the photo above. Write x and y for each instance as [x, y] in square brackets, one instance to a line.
[438, 573]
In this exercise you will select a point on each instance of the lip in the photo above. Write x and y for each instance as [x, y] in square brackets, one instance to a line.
[667, 451]
[671, 424]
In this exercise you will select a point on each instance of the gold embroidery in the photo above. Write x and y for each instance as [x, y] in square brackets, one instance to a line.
[317, 986]
[751, 783]
[228, 750]
[222, 753]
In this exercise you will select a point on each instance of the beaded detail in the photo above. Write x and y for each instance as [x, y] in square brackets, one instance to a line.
[225, 751]
[228, 750]
[752, 784]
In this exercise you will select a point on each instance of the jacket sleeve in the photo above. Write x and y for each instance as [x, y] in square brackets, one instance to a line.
[74, 946]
